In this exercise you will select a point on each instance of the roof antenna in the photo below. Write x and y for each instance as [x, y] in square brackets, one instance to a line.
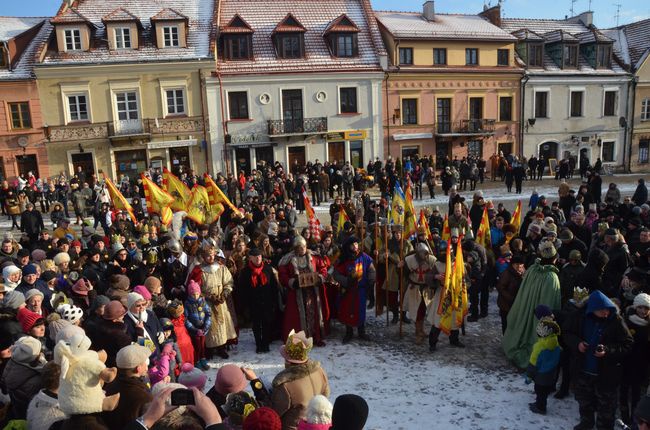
[618, 12]
[589, 5]
[573, 2]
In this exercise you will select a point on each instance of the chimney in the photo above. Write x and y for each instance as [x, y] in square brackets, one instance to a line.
[429, 10]
[587, 18]
[493, 15]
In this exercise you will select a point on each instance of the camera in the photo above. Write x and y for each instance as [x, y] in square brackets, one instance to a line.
[182, 397]
[600, 348]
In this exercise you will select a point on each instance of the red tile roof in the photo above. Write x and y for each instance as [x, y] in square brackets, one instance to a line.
[120, 15]
[236, 25]
[342, 24]
[169, 14]
[289, 25]
[70, 16]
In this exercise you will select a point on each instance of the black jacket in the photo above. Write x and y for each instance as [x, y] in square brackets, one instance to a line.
[31, 222]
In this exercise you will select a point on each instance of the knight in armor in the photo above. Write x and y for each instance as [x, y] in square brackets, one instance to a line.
[392, 280]
[420, 271]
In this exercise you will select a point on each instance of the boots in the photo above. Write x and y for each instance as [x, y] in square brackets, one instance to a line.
[405, 319]
[362, 333]
[433, 338]
[454, 341]
[348, 335]
[419, 332]
[221, 352]
[395, 319]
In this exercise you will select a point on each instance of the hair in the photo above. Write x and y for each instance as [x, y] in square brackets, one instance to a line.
[50, 376]
[551, 260]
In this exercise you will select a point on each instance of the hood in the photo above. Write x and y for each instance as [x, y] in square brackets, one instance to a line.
[598, 258]
[598, 300]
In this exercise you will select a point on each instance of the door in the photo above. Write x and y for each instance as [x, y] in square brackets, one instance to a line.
[292, 111]
[548, 150]
[128, 116]
[356, 153]
[27, 163]
[475, 114]
[3, 174]
[243, 159]
[335, 151]
[444, 115]
[505, 148]
[411, 152]
[180, 159]
[443, 150]
[85, 161]
[131, 163]
[297, 157]
[264, 153]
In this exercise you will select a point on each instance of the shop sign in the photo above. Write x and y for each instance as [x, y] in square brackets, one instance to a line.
[171, 144]
[355, 135]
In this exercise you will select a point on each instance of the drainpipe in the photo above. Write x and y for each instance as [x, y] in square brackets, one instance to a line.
[630, 125]
[522, 117]
[205, 128]
[224, 123]
[387, 117]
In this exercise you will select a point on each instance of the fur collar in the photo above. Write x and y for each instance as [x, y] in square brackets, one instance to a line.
[295, 372]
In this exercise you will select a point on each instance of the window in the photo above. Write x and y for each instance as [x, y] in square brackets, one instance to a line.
[505, 109]
[541, 104]
[608, 151]
[289, 45]
[406, 55]
[471, 56]
[576, 103]
[345, 45]
[3, 57]
[644, 151]
[440, 56]
[20, 117]
[535, 55]
[409, 111]
[175, 101]
[237, 47]
[503, 57]
[170, 37]
[348, 100]
[604, 57]
[444, 115]
[610, 103]
[475, 149]
[127, 105]
[78, 107]
[123, 38]
[645, 110]
[238, 105]
[72, 39]
[570, 56]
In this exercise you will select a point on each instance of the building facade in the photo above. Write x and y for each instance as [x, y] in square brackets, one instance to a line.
[295, 82]
[22, 140]
[122, 86]
[452, 88]
[574, 91]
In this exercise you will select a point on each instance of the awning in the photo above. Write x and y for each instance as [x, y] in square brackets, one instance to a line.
[410, 136]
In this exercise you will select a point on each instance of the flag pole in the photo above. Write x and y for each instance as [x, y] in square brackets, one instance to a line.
[386, 269]
[377, 251]
[401, 282]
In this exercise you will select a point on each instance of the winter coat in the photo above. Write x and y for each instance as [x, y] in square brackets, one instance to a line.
[508, 286]
[86, 422]
[569, 275]
[22, 382]
[31, 222]
[613, 194]
[134, 395]
[109, 336]
[542, 367]
[636, 363]
[619, 261]
[641, 193]
[612, 333]
[152, 326]
[262, 300]
[197, 316]
[43, 411]
[294, 387]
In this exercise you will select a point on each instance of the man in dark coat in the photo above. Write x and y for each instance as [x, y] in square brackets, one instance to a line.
[508, 287]
[641, 193]
[619, 261]
[31, 222]
[598, 340]
[110, 334]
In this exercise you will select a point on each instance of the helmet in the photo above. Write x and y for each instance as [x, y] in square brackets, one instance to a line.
[174, 246]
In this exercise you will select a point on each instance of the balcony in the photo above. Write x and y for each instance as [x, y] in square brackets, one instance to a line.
[293, 127]
[465, 127]
[121, 129]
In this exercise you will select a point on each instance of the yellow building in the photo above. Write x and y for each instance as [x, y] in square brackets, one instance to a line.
[121, 87]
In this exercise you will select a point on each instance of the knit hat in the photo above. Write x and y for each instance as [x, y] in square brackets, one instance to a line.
[26, 349]
[575, 255]
[33, 292]
[319, 410]
[193, 287]
[611, 232]
[30, 269]
[113, 310]
[9, 270]
[142, 290]
[28, 319]
[547, 250]
[642, 299]
[120, 282]
[152, 283]
[61, 257]
[13, 300]
[551, 229]
[131, 356]
[70, 312]
[263, 418]
[543, 311]
[192, 377]
[534, 228]
[98, 302]
[55, 324]
[38, 255]
[547, 327]
[230, 379]
[82, 287]
[297, 347]
[350, 412]
[132, 299]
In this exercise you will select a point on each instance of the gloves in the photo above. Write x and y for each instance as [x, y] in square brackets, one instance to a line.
[161, 337]
[200, 333]
[527, 380]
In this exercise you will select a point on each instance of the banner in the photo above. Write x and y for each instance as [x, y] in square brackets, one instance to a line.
[343, 217]
[198, 209]
[410, 222]
[516, 217]
[446, 231]
[425, 224]
[483, 233]
[397, 206]
[459, 290]
[217, 197]
[444, 305]
[178, 190]
[314, 223]
[158, 200]
[119, 202]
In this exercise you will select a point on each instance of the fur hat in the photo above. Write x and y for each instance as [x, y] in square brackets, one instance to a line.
[61, 257]
[131, 356]
[113, 310]
[26, 349]
[263, 418]
[193, 287]
[230, 379]
[28, 319]
[152, 283]
[350, 412]
[33, 292]
[547, 250]
[70, 312]
[642, 299]
[547, 327]
[297, 347]
[319, 410]
[120, 282]
[38, 255]
[192, 377]
[132, 299]
[143, 291]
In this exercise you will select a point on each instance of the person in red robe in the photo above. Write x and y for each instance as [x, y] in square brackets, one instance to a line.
[176, 315]
[306, 307]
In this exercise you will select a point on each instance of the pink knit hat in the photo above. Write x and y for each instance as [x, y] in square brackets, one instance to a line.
[230, 379]
[143, 291]
[192, 377]
[193, 287]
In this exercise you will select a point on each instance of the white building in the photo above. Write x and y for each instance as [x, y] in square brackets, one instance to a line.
[295, 82]
[575, 92]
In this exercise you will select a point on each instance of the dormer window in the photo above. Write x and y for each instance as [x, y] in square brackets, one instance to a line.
[288, 38]
[170, 37]
[570, 56]
[237, 40]
[123, 38]
[604, 57]
[535, 54]
[123, 29]
[72, 39]
[341, 36]
[73, 31]
[3, 57]
[170, 28]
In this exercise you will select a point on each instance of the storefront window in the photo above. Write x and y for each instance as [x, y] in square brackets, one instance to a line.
[356, 153]
[131, 163]
[179, 158]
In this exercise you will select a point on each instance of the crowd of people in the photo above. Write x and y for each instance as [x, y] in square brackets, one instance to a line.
[100, 324]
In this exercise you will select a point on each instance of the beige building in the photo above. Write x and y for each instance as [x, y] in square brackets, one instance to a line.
[120, 84]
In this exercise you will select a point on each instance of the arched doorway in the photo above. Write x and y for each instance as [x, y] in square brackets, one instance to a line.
[585, 153]
[548, 150]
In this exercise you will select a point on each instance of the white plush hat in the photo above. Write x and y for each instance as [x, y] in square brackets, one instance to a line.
[70, 312]
[9, 270]
[319, 410]
[61, 257]
[132, 299]
[26, 349]
[642, 299]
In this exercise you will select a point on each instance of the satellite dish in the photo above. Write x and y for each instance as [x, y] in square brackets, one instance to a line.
[23, 142]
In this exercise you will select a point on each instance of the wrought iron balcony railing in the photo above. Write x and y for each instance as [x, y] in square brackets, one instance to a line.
[465, 126]
[281, 127]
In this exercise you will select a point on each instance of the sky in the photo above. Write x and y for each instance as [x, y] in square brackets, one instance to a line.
[604, 10]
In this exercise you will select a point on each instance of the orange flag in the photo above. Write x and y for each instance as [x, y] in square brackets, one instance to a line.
[178, 190]
[446, 231]
[424, 223]
[483, 233]
[312, 221]
[516, 217]
[119, 202]
[343, 217]
[158, 200]
[217, 197]
[410, 223]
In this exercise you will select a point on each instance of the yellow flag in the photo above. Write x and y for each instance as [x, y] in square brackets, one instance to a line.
[158, 200]
[445, 305]
[343, 217]
[217, 197]
[397, 206]
[446, 231]
[425, 224]
[199, 209]
[459, 298]
[119, 202]
[516, 217]
[483, 233]
[179, 191]
[410, 221]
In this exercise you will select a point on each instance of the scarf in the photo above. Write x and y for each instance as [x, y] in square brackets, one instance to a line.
[258, 276]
